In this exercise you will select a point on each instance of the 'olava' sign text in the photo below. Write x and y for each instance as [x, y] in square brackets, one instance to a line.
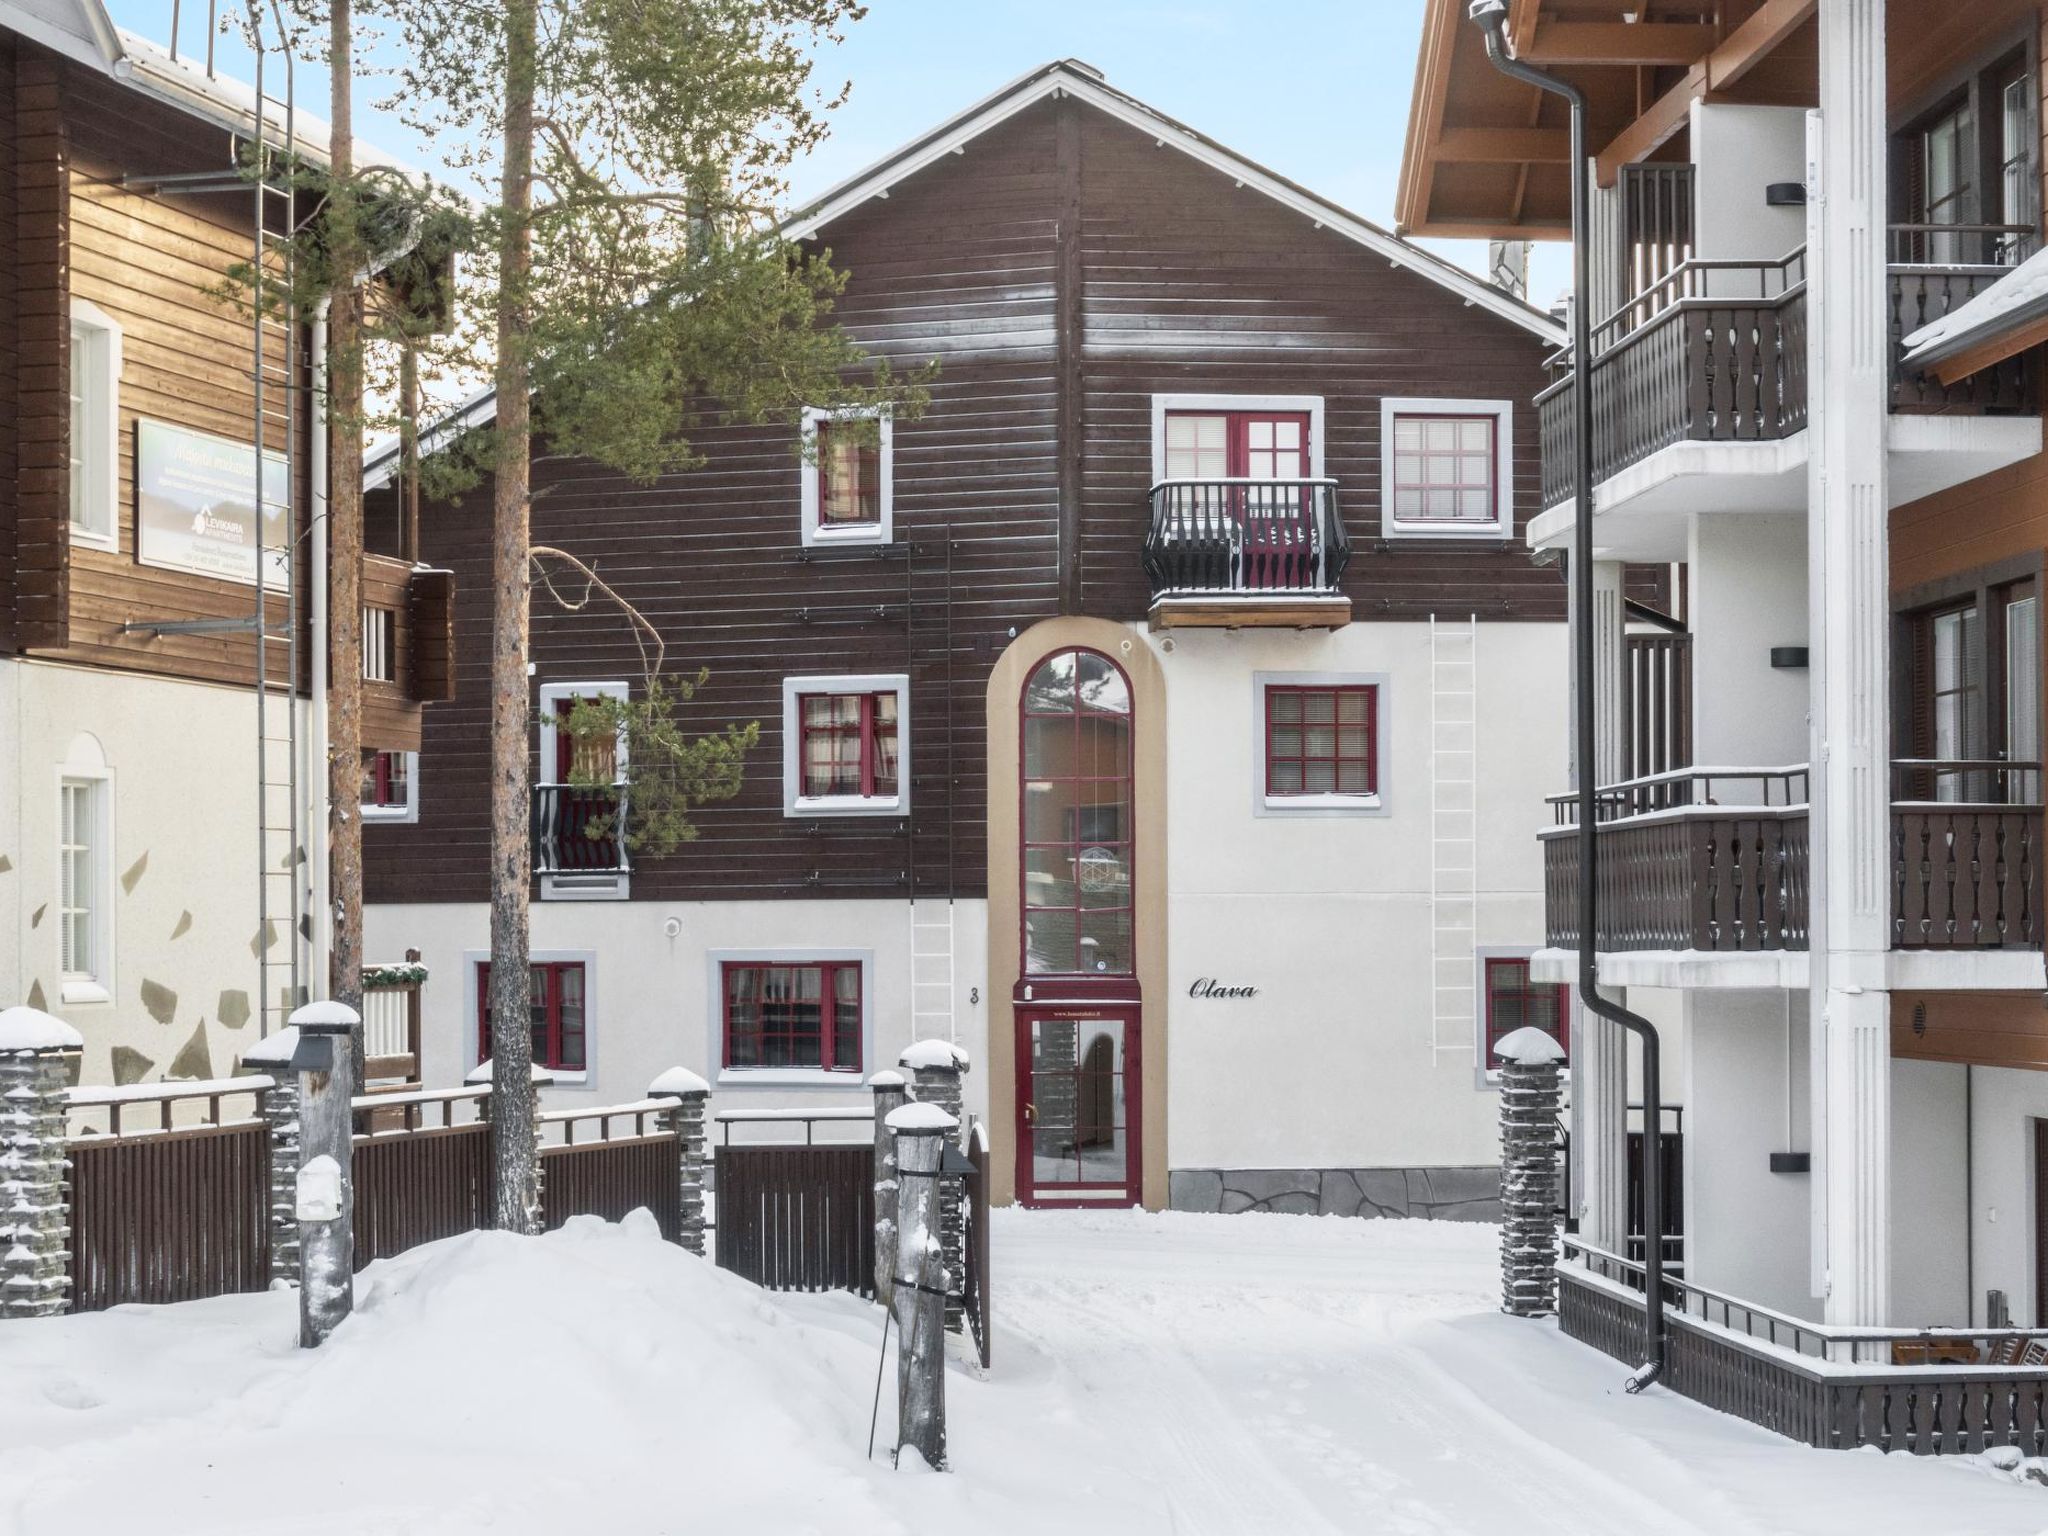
[1209, 986]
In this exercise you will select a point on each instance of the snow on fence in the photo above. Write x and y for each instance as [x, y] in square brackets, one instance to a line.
[612, 1174]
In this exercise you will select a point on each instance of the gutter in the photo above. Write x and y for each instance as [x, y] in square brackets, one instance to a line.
[1491, 16]
[320, 908]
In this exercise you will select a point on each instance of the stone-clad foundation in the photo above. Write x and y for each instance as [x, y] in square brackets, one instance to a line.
[1429, 1194]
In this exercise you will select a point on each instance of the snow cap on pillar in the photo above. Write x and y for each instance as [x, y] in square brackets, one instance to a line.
[885, 1079]
[1529, 1047]
[677, 1082]
[31, 1029]
[934, 1055]
[921, 1120]
[275, 1051]
[325, 1018]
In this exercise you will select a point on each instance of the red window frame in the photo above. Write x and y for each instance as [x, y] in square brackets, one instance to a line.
[838, 1039]
[378, 779]
[1237, 449]
[1426, 485]
[1544, 1004]
[1337, 757]
[552, 1036]
[867, 488]
[1083, 826]
[876, 781]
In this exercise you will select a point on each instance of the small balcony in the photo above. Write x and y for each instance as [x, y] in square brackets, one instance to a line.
[1240, 553]
[579, 834]
[1718, 861]
[1705, 373]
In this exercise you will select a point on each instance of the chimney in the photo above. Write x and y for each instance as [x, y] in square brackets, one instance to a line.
[1507, 266]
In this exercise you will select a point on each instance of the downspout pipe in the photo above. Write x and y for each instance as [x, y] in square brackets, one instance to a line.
[1491, 17]
[320, 908]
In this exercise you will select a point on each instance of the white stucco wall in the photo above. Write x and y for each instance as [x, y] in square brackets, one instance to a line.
[1747, 594]
[1930, 1269]
[1335, 1063]
[2005, 1103]
[180, 760]
[651, 994]
[1745, 1098]
[1737, 151]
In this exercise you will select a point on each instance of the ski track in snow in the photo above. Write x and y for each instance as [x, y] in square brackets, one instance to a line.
[1155, 1375]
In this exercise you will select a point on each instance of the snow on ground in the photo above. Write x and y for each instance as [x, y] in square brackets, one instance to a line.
[1154, 1374]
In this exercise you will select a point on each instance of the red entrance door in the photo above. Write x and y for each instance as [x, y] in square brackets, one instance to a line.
[1077, 1105]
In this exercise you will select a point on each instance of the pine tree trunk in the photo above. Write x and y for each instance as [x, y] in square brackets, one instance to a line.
[513, 1154]
[345, 547]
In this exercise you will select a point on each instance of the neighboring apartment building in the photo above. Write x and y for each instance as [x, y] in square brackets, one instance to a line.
[1838, 884]
[1160, 715]
[156, 862]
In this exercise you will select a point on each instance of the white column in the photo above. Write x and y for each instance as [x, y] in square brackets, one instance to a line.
[1599, 1054]
[1846, 507]
[1610, 665]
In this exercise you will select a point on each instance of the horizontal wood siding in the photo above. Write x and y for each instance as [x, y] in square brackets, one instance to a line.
[391, 717]
[10, 343]
[42, 306]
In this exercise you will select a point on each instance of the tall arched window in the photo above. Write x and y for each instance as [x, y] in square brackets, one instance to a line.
[1077, 821]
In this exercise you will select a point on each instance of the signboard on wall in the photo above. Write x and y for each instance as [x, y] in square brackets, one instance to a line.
[195, 505]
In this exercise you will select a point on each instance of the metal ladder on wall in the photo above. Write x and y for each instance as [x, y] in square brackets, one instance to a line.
[933, 1004]
[1454, 836]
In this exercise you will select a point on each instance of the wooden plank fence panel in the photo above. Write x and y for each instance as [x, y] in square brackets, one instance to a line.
[419, 1187]
[798, 1218]
[169, 1217]
[611, 1179]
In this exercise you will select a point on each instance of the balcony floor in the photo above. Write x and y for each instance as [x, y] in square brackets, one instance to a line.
[1250, 610]
[1906, 970]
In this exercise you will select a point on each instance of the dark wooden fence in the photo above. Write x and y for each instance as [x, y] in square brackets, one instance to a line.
[1657, 730]
[798, 1218]
[974, 1244]
[169, 1215]
[611, 1177]
[419, 1186]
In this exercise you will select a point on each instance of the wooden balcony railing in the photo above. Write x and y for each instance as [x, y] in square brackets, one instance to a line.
[1241, 535]
[1679, 870]
[1716, 351]
[579, 830]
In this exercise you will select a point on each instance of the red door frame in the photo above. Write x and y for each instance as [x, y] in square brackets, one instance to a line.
[1132, 1189]
[1237, 438]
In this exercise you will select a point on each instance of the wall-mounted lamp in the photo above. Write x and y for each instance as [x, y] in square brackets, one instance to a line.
[1788, 657]
[1785, 194]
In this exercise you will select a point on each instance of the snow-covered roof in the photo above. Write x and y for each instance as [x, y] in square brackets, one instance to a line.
[84, 32]
[1084, 82]
[2016, 299]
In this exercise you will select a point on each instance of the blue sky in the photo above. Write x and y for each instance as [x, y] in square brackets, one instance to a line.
[1314, 89]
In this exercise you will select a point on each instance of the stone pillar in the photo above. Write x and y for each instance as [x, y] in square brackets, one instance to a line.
[37, 1055]
[1848, 568]
[273, 1057]
[923, 1282]
[937, 1066]
[1528, 1171]
[692, 1095]
[479, 1076]
[891, 1094]
[324, 1188]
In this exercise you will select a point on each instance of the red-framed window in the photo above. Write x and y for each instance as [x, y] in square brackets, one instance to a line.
[1322, 740]
[1445, 469]
[804, 1015]
[591, 759]
[849, 745]
[1218, 445]
[849, 472]
[1076, 819]
[560, 1019]
[1513, 1001]
[386, 781]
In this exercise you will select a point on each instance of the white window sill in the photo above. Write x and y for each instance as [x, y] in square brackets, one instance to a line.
[86, 538]
[389, 813]
[855, 533]
[620, 889]
[848, 805]
[787, 1077]
[567, 1079]
[1392, 529]
[1330, 802]
[80, 990]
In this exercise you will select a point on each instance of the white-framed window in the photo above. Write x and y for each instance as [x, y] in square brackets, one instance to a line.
[380, 645]
[588, 869]
[849, 472]
[1319, 743]
[1447, 468]
[563, 1011]
[95, 425]
[789, 1017]
[1214, 437]
[391, 786]
[846, 745]
[1506, 997]
[85, 875]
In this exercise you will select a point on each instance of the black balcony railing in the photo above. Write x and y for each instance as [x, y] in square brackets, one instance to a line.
[580, 830]
[1719, 859]
[1248, 536]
